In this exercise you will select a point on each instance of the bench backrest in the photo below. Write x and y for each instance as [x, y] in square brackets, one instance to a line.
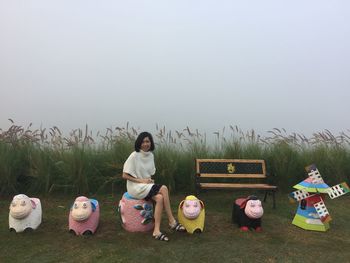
[230, 168]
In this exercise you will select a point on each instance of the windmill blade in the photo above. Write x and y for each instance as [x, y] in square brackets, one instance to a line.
[299, 195]
[338, 190]
[322, 212]
[314, 174]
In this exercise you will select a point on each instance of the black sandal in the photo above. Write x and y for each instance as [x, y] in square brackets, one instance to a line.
[178, 227]
[161, 237]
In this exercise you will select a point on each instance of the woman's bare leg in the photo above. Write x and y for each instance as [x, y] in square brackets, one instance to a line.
[158, 198]
[166, 201]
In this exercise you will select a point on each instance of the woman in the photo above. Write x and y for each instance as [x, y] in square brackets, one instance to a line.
[137, 170]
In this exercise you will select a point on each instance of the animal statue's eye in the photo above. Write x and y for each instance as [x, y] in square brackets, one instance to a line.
[75, 206]
[195, 205]
[84, 205]
[13, 204]
[23, 203]
[187, 205]
[252, 205]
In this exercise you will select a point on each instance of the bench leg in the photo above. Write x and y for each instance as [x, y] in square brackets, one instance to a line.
[265, 196]
[273, 198]
[197, 191]
[197, 185]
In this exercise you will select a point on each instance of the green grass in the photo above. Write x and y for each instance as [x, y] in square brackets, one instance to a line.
[221, 241]
[35, 162]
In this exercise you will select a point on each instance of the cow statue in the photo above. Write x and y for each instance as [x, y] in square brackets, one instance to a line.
[247, 213]
[25, 213]
[191, 214]
[84, 216]
[136, 215]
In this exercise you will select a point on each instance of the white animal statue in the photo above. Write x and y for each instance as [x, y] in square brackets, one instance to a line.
[25, 213]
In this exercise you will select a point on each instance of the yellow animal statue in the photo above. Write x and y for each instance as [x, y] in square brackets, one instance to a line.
[191, 214]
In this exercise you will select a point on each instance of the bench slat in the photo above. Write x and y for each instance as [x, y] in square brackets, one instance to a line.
[230, 160]
[232, 175]
[202, 166]
[228, 185]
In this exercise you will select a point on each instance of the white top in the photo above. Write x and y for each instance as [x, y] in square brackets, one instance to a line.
[139, 165]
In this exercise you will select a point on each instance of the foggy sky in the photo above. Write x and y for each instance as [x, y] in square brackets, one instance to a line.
[202, 64]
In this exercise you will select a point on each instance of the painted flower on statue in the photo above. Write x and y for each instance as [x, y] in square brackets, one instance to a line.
[146, 212]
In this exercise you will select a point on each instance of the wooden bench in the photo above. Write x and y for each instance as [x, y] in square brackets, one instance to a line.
[233, 174]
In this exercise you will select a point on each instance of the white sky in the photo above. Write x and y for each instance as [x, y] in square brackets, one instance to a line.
[203, 64]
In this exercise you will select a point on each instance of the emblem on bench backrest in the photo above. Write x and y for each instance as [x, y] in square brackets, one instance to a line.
[231, 168]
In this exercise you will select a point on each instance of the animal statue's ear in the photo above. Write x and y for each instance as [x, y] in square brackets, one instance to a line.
[93, 205]
[202, 204]
[244, 203]
[181, 204]
[33, 203]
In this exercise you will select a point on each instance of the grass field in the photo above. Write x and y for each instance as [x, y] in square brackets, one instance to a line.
[280, 241]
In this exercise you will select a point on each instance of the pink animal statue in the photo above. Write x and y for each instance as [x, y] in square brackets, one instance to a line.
[136, 214]
[25, 213]
[191, 214]
[247, 213]
[84, 216]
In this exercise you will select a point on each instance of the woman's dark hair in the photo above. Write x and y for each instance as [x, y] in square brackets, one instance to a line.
[140, 138]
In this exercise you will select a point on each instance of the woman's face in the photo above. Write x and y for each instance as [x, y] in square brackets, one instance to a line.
[146, 144]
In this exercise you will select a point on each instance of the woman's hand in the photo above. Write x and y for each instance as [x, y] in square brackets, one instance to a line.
[127, 176]
[147, 181]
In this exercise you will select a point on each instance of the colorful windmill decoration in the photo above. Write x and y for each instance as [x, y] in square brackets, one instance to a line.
[312, 213]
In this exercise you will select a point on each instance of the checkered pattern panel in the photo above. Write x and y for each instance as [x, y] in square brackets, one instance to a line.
[338, 190]
[316, 177]
[321, 210]
[299, 195]
[230, 168]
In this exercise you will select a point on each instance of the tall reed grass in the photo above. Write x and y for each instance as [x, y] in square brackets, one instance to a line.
[37, 161]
